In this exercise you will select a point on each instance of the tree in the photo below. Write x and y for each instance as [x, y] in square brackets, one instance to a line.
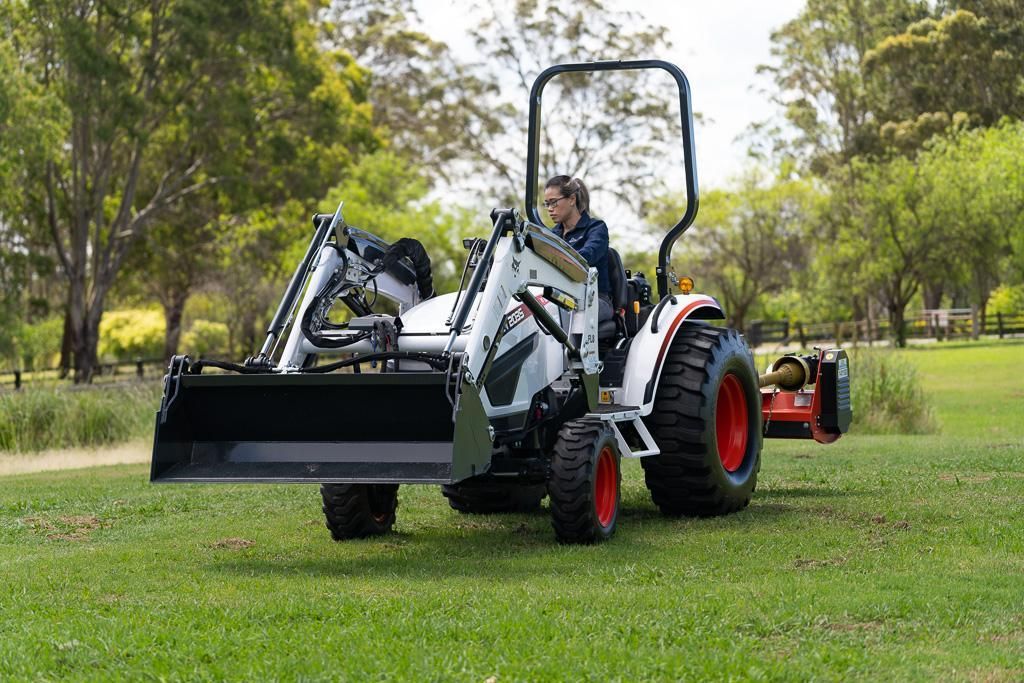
[978, 178]
[157, 96]
[610, 129]
[956, 69]
[424, 99]
[819, 74]
[29, 129]
[747, 243]
[891, 235]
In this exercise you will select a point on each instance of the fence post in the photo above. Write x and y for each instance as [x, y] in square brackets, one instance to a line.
[138, 368]
[755, 333]
[999, 323]
[800, 333]
[17, 380]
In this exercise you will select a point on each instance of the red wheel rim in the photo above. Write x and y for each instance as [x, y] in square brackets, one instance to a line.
[606, 487]
[731, 423]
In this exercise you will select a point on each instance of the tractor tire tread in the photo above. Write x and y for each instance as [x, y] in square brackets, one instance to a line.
[570, 484]
[682, 480]
[357, 511]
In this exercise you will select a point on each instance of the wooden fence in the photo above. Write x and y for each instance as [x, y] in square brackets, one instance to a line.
[955, 323]
[106, 373]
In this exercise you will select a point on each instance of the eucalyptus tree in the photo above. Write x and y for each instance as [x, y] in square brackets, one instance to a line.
[161, 100]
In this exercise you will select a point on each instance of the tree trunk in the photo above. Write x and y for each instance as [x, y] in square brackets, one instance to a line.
[85, 329]
[174, 309]
[65, 343]
[896, 320]
[932, 294]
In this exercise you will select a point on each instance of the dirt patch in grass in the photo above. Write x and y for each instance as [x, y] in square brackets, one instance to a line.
[854, 626]
[232, 544]
[73, 458]
[65, 528]
[977, 478]
[810, 563]
[996, 675]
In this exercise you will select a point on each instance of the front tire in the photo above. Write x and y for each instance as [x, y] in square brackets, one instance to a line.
[707, 423]
[359, 510]
[585, 483]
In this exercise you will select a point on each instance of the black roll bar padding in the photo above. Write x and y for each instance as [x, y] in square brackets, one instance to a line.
[284, 308]
[689, 161]
[466, 305]
[545, 320]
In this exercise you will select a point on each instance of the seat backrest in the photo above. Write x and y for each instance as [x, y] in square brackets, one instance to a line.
[617, 279]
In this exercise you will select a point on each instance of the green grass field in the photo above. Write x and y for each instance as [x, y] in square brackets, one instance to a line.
[876, 558]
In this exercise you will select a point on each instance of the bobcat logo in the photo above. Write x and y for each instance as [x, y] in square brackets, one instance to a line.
[515, 266]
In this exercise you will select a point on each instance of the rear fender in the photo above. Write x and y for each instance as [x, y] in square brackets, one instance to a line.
[649, 346]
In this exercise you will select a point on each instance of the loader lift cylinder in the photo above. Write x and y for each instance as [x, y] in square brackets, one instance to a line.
[547, 322]
[466, 305]
[284, 309]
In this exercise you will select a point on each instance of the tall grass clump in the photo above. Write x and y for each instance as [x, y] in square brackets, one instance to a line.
[887, 396]
[41, 419]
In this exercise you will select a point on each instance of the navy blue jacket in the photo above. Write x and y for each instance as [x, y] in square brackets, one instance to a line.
[590, 239]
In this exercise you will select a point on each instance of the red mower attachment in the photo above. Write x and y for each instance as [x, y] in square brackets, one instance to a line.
[792, 411]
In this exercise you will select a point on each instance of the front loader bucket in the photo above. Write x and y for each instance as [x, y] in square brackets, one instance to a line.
[374, 428]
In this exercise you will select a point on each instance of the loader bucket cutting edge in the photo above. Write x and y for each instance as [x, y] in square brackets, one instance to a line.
[372, 428]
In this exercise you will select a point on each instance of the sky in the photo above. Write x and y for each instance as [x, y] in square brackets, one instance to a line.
[718, 44]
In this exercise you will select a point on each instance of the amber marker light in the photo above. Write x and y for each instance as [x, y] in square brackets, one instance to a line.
[685, 285]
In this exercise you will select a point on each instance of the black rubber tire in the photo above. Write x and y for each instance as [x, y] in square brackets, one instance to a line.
[359, 510]
[576, 494]
[482, 496]
[689, 476]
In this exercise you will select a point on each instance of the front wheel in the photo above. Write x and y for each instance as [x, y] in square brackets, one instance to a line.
[707, 423]
[584, 482]
[359, 510]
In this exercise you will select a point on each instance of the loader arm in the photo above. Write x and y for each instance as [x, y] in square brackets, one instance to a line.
[525, 256]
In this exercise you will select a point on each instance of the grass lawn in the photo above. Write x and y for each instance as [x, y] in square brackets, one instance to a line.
[876, 558]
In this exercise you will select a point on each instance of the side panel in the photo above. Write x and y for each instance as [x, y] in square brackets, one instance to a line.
[648, 349]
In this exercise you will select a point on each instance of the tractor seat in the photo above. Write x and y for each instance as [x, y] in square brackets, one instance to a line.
[607, 329]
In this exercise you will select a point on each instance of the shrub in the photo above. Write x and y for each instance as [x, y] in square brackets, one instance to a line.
[37, 345]
[133, 333]
[40, 419]
[1006, 300]
[887, 396]
[203, 337]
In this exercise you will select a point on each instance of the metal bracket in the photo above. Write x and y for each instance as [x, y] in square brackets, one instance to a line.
[650, 447]
[172, 382]
[633, 416]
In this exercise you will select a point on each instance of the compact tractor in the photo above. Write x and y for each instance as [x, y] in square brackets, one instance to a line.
[505, 391]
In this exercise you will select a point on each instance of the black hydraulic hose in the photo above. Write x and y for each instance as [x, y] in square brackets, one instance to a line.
[432, 359]
[197, 367]
[414, 251]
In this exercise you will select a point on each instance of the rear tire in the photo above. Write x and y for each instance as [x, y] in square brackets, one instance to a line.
[359, 510]
[585, 483]
[707, 423]
[486, 496]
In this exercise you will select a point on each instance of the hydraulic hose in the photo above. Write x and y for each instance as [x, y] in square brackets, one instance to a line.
[414, 251]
